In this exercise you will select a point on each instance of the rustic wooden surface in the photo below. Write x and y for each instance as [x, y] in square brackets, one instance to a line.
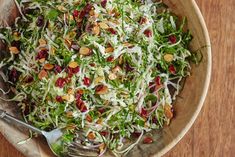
[213, 133]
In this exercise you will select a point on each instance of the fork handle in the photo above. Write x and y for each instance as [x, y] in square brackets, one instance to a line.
[5, 116]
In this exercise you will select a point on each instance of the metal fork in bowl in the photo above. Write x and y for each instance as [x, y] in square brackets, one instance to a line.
[73, 149]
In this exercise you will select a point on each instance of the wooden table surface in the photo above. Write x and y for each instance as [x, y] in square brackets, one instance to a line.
[213, 133]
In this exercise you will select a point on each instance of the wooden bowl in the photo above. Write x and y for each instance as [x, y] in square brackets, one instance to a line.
[187, 106]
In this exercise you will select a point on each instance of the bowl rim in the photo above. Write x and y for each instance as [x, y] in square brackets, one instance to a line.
[203, 96]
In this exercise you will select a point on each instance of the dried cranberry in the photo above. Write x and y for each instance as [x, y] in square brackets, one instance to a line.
[14, 75]
[88, 8]
[40, 21]
[101, 110]
[81, 106]
[158, 80]
[60, 82]
[143, 20]
[152, 87]
[78, 96]
[136, 134]
[110, 58]
[57, 69]
[172, 69]
[112, 31]
[148, 33]
[92, 64]
[87, 81]
[104, 3]
[172, 39]
[28, 79]
[154, 120]
[144, 113]
[82, 14]
[72, 71]
[75, 13]
[42, 54]
[148, 140]
[75, 70]
[59, 99]
[104, 133]
[128, 67]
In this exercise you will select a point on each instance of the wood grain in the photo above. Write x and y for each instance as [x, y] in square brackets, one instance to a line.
[213, 132]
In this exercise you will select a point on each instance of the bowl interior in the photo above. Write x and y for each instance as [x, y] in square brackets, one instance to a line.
[187, 105]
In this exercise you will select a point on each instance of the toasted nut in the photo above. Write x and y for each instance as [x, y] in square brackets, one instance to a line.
[68, 42]
[16, 36]
[88, 118]
[168, 57]
[42, 74]
[96, 30]
[42, 60]
[168, 112]
[70, 91]
[116, 69]
[14, 50]
[71, 35]
[101, 147]
[85, 51]
[92, 12]
[61, 8]
[98, 80]
[69, 114]
[71, 127]
[48, 66]
[66, 97]
[109, 49]
[73, 64]
[120, 61]
[42, 42]
[126, 44]
[101, 89]
[52, 51]
[112, 76]
[99, 121]
[91, 136]
[103, 25]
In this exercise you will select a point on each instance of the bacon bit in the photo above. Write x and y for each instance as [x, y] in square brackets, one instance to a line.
[48, 66]
[112, 31]
[75, 13]
[148, 140]
[110, 59]
[59, 99]
[109, 50]
[172, 69]
[60, 82]
[104, 3]
[42, 74]
[101, 89]
[87, 81]
[57, 69]
[148, 33]
[73, 65]
[172, 39]
[14, 50]
[91, 136]
[144, 113]
[88, 118]
[104, 133]
[168, 111]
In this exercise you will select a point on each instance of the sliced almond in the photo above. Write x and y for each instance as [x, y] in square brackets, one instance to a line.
[126, 44]
[48, 66]
[112, 76]
[103, 25]
[73, 64]
[42, 60]
[42, 74]
[168, 112]
[101, 89]
[168, 57]
[91, 136]
[71, 35]
[14, 50]
[42, 42]
[96, 30]
[98, 80]
[85, 51]
[109, 50]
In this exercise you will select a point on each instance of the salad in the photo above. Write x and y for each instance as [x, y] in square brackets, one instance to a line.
[111, 68]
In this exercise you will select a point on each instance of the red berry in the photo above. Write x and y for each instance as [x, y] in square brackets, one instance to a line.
[75, 13]
[110, 58]
[148, 33]
[148, 140]
[172, 69]
[144, 113]
[172, 39]
[87, 81]
[60, 82]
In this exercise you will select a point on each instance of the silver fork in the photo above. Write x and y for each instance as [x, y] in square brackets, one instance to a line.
[73, 149]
